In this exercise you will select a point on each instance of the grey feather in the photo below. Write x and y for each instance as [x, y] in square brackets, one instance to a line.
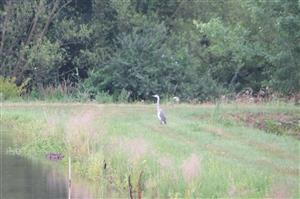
[163, 118]
[160, 114]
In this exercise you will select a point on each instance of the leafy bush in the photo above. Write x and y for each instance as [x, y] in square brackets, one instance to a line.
[104, 97]
[204, 88]
[43, 62]
[81, 96]
[123, 97]
[137, 65]
[8, 89]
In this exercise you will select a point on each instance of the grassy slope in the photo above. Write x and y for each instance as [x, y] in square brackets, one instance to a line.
[199, 153]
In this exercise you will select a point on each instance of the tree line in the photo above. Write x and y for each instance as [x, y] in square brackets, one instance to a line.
[194, 49]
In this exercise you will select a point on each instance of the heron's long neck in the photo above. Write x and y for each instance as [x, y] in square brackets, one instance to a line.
[157, 104]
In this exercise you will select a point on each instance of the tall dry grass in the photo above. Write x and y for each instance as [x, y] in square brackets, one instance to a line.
[191, 168]
[80, 132]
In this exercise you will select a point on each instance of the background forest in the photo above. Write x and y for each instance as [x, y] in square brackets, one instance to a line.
[131, 49]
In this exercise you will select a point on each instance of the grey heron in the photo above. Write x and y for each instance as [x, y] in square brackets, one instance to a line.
[160, 114]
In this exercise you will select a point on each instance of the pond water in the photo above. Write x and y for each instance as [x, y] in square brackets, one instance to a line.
[23, 178]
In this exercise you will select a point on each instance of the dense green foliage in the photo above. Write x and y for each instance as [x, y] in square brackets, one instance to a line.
[192, 49]
[8, 89]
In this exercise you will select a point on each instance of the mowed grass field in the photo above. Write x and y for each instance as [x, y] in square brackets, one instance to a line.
[207, 151]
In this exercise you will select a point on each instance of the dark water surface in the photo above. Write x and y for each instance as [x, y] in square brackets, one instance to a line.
[23, 178]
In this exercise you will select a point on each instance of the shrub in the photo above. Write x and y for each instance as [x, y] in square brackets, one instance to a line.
[123, 97]
[104, 97]
[142, 64]
[8, 89]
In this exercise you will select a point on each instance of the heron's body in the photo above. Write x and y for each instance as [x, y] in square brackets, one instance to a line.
[161, 117]
[160, 114]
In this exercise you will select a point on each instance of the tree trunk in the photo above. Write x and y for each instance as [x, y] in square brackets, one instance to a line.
[18, 70]
[7, 8]
[35, 20]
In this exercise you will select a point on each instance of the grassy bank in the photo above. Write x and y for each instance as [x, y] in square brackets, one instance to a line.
[231, 150]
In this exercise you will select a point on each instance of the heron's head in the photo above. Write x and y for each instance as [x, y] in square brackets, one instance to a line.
[155, 96]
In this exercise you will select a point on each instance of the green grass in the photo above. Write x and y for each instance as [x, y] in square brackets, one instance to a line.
[225, 158]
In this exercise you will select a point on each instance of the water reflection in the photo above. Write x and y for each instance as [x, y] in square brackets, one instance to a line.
[22, 178]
